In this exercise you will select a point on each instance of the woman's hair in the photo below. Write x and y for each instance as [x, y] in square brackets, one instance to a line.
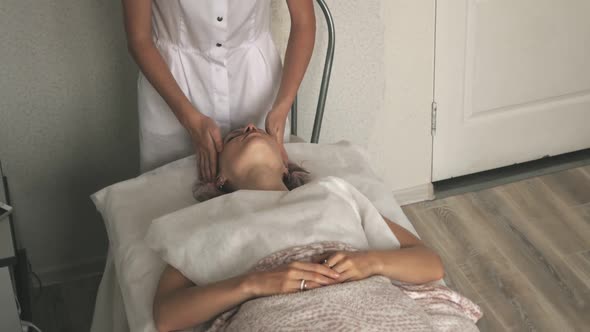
[296, 176]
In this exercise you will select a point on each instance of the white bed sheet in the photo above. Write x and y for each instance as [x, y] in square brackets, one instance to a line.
[342, 159]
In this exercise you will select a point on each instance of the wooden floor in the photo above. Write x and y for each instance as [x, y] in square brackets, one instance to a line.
[520, 250]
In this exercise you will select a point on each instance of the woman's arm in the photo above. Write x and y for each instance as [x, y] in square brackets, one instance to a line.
[412, 263]
[138, 25]
[299, 51]
[179, 304]
[204, 131]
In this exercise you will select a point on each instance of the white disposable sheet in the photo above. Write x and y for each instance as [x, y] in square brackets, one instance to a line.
[226, 236]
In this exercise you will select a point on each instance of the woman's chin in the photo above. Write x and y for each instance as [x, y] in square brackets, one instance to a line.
[257, 141]
[261, 147]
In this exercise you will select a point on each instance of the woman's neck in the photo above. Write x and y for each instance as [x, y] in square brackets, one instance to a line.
[263, 178]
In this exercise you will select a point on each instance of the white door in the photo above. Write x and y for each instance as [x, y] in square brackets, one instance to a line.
[512, 82]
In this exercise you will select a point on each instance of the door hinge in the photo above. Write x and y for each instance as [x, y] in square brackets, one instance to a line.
[433, 109]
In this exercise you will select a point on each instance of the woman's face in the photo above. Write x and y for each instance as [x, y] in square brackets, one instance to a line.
[245, 149]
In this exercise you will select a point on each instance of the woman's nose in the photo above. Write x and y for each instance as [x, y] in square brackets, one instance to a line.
[249, 127]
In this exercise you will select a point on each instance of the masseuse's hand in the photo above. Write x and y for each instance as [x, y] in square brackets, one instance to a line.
[287, 279]
[352, 265]
[207, 142]
[275, 127]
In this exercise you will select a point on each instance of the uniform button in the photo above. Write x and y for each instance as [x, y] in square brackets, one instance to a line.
[219, 18]
[218, 44]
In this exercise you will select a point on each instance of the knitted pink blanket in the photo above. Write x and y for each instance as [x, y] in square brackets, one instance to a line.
[373, 304]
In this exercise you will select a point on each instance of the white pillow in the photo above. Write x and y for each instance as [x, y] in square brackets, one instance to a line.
[129, 207]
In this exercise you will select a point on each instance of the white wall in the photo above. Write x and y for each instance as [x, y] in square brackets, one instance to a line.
[68, 111]
[401, 144]
[356, 87]
[381, 88]
[68, 123]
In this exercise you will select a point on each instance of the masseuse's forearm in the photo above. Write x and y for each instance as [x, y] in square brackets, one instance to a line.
[155, 69]
[418, 264]
[192, 306]
[297, 57]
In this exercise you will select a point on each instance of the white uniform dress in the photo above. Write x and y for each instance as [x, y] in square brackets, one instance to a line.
[223, 57]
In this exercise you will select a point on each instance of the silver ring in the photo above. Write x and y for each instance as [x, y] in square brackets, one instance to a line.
[302, 285]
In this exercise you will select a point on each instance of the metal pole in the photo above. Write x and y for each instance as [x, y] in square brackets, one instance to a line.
[8, 201]
[319, 115]
[294, 117]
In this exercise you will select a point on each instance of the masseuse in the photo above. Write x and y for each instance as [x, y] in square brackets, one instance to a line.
[209, 66]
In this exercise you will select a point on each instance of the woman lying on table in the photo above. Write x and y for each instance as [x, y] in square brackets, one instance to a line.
[252, 160]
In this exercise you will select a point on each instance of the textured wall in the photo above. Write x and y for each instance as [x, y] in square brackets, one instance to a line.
[356, 88]
[381, 87]
[67, 121]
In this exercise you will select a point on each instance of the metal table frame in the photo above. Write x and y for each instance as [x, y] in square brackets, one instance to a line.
[319, 114]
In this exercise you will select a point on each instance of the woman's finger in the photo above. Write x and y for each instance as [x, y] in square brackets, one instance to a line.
[347, 276]
[275, 133]
[335, 259]
[280, 136]
[312, 285]
[342, 266]
[284, 153]
[312, 276]
[205, 165]
[317, 268]
[322, 258]
[212, 159]
[200, 166]
[294, 285]
[217, 140]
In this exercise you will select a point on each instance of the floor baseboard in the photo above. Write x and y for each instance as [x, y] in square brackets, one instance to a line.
[423, 192]
[510, 174]
[70, 272]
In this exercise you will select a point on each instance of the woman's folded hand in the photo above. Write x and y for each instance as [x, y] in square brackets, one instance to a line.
[352, 265]
[288, 279]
